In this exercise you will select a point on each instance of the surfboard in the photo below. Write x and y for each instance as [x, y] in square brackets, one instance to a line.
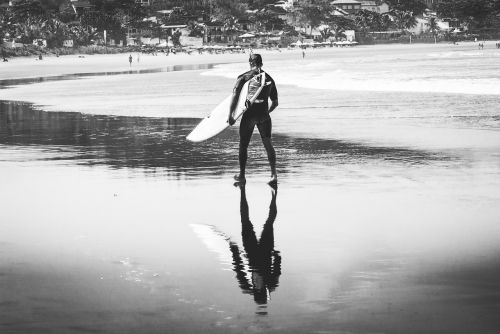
[216, 121]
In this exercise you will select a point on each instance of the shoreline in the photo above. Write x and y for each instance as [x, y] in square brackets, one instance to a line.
[29, 67]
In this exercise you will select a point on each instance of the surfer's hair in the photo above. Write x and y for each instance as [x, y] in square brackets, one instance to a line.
[255, 59]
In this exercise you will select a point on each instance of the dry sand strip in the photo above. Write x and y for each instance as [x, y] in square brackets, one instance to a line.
[28, 67]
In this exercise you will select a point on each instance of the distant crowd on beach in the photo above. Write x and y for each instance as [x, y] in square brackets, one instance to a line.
[481, 45]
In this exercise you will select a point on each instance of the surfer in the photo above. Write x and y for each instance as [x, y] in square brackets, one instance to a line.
[257, 114]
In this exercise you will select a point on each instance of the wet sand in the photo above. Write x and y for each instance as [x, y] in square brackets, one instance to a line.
[116, 224]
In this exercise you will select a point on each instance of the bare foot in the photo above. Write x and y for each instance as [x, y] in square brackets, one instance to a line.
[240, 179]
[273, 180]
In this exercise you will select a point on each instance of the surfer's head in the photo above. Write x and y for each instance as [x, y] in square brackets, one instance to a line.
[255, 60]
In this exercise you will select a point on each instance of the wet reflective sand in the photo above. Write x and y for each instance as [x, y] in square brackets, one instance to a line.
[116, 224]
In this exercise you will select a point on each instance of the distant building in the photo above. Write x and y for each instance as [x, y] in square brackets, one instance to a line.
[80, 6]
[215, 32]
[375, 6]
[247, 25]
[284, 4]
[350, 6]
[431, 3]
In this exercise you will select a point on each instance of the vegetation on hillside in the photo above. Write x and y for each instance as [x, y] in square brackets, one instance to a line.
[55, 20]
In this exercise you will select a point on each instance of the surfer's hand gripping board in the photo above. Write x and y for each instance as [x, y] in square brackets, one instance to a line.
[218, 119]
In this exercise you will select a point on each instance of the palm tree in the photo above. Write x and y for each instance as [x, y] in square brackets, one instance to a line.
[364, 20]
[339, 24]
[55, 32]
[5, 23]
[404, 20]
[313, 15]
[325, 31]
[29, 30]
[433, 27]
[267, 20]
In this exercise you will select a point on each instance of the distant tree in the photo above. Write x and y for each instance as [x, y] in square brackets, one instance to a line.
[6, 28]
[230, 24]
[386, 22]
[113, 16]
[417, 7]
[403, 20]
[196, 29]
[325, 31]
[313, 16]
[29, 29]
[289, 30]
[51, 4]
[259, 4]
[267, 20]
[433, 27]
[99, 20]
[363, 20]
[83, 35]
[25, 9]
[221, 9]
[55, 32]
[367, 20]
[339, 24]
[476, 13]
[177, 16]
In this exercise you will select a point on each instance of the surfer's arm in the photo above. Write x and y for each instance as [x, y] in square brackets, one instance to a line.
[274, 104]
[273, 95]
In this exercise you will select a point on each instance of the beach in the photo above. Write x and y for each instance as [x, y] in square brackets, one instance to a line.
[385, 219]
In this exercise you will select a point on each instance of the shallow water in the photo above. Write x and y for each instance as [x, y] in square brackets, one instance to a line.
[9, 83]
[385, 219]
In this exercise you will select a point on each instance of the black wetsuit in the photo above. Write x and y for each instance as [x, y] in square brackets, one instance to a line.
[258, 112]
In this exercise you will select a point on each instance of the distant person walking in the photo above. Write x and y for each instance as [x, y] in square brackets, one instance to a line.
[130, 60]
[303, 53]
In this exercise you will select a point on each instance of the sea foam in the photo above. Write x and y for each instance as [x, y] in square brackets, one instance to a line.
[448, 72]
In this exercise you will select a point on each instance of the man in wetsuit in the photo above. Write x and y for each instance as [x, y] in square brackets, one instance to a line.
[257, 114]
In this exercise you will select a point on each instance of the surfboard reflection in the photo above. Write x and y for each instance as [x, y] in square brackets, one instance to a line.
[258, 265]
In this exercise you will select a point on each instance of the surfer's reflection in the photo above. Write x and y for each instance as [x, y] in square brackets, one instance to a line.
[258, 267]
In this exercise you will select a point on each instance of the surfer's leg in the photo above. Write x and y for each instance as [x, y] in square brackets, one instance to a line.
[246, 129]
[265, 128]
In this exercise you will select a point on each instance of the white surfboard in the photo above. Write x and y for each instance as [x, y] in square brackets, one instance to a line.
[217, 122]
